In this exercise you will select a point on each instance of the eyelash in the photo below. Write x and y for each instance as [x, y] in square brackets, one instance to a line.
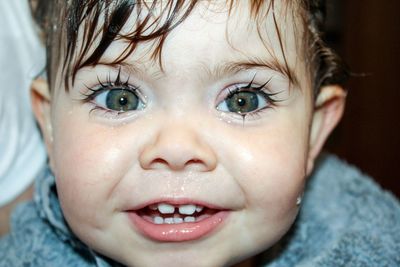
[118, 83]
[107, 86]
[257, 89]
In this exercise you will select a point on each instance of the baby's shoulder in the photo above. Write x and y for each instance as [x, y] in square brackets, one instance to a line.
[343, 188]
[346, 219]
[33, 242]
[361, 220]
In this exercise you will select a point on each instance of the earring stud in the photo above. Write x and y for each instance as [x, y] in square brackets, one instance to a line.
[298, 200]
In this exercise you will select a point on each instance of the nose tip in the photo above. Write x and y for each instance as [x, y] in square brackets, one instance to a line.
[178, 149]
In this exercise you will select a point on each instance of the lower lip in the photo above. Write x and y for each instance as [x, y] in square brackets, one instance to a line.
[178, 232]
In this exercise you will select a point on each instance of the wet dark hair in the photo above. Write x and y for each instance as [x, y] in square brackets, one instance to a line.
[90, 20]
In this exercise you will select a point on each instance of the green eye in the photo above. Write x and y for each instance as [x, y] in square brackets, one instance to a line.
[121, 100]
[243, 102]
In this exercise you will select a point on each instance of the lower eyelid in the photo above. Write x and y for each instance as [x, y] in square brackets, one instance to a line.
[108, 114]
[242, 119]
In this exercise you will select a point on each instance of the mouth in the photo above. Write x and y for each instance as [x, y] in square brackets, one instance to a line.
[164, 213]
[169, 222]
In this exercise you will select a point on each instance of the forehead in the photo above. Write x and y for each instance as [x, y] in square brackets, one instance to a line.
[241, 31]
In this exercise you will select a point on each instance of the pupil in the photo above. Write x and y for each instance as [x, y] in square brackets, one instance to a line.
[123, 101]
[241, 102]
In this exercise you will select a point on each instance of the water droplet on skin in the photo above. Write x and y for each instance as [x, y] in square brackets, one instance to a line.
[223, 117]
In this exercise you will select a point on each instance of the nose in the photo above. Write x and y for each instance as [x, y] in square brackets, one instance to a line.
[178, 147]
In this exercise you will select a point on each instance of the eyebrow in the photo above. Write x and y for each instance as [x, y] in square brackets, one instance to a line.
[219, 70]
[225, 68]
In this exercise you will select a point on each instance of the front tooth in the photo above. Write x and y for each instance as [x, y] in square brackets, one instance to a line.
[166, 209]
[158, 220]
[178, 220]
[187, 209]
[169, 220]
[189, 219]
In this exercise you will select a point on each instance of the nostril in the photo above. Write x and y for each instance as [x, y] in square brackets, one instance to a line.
[193, 164]
[159, 163]
[194, 161]
[197, 165]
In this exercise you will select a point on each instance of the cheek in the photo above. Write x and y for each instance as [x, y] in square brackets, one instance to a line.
[269, 164]
[88, 162]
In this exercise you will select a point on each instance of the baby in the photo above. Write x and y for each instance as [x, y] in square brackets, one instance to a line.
[182, 133]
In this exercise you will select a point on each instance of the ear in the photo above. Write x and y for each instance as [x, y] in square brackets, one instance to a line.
[40, 98]
[328, 111]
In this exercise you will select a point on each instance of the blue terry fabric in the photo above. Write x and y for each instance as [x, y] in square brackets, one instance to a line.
[345, 220]
[40, 237]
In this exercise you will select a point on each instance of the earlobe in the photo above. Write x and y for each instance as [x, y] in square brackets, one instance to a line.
[328, 111]
[40, 98]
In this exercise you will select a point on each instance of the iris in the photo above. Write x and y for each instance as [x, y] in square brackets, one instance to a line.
[121, 100]
[242, 102]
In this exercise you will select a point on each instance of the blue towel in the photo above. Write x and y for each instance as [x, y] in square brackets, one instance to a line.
[345, 220]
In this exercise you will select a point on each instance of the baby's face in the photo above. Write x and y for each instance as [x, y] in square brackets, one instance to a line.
[198, 164]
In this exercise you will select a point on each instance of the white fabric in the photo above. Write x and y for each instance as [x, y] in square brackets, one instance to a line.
[22, 57]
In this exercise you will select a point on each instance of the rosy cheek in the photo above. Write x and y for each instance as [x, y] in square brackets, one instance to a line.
[87, 158]
[88, 146]
[270, 166]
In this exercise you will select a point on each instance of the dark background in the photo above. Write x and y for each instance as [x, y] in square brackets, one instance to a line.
[367, 35]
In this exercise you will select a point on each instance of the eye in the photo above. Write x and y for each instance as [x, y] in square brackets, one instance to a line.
[118, 99]
[243, 102]
[247, 99]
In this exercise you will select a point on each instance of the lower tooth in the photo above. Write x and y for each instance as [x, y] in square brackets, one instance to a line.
[178, 220]
[169, 220]
[190, 219]
[158, 220]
